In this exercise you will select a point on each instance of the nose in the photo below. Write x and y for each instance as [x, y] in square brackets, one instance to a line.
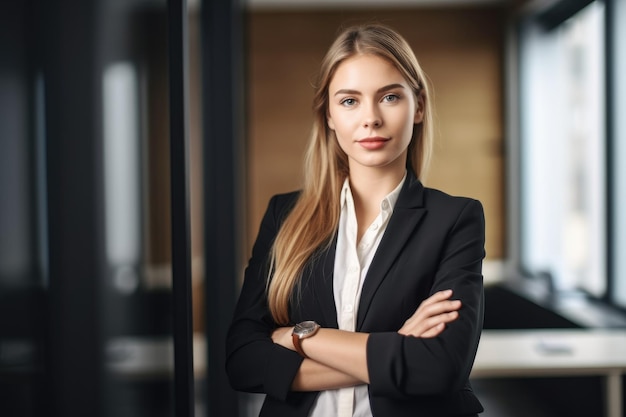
[372, 118]
[372, 122]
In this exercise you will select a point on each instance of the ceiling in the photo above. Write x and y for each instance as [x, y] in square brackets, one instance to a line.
[359, 4]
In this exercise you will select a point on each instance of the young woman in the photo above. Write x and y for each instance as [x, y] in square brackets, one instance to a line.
[363, 295]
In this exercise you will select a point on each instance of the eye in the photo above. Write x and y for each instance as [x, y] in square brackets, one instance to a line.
[390, 98]
[348, 102]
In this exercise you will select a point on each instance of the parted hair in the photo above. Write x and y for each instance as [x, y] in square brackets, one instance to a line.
[313, 221]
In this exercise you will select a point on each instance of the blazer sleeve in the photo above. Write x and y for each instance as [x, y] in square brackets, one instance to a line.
[254, 363]
[401, 366]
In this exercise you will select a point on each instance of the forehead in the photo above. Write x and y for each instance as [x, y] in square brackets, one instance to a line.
[365, 71]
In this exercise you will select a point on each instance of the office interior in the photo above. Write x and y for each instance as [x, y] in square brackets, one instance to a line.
[142, 139]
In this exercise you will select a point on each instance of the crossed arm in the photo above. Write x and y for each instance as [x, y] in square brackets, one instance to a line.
[337, 358]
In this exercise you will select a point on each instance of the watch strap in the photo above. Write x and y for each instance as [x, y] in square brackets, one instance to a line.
[297, 343]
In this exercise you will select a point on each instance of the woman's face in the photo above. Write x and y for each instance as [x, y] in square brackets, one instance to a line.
[372, 110]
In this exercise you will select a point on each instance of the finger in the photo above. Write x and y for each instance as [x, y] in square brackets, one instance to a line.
[436, 297]
[437, 320]
[431, 310]
[426, 319]
[424, 329]
[419, 328]
[442, 307]
[433, 331]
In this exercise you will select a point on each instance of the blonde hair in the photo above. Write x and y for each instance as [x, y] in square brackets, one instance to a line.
[312, 223]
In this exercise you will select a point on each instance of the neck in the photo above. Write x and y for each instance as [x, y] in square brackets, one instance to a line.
[370, 186]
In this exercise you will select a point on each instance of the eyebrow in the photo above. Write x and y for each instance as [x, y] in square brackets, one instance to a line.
[380, 90]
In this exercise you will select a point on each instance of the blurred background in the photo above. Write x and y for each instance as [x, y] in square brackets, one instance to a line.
[529, 120]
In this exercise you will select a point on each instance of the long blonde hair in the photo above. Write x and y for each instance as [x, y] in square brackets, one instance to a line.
[312, 223]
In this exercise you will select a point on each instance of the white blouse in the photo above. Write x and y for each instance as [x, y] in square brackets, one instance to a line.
[352, 261]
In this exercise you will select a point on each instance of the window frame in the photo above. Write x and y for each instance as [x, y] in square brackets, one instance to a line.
[551, 15]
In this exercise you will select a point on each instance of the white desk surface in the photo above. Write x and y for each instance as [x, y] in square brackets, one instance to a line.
[553, 352]
[501, 353]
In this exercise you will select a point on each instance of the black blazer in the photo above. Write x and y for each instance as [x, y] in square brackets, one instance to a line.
[433, 242]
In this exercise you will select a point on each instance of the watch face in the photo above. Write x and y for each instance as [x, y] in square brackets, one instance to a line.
[306, 327]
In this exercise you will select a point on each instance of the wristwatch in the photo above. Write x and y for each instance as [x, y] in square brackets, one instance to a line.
[302, 331]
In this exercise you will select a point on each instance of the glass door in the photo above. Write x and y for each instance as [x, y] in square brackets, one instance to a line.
[120, 175]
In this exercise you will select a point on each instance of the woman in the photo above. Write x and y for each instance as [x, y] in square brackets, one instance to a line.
[363, 295]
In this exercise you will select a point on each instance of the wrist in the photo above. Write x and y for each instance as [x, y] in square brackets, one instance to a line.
[303, 331]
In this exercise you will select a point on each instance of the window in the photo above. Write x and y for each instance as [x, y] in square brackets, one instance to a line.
[563, 151]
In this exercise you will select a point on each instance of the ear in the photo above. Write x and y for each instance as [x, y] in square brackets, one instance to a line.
[330, 122]
[419, 111]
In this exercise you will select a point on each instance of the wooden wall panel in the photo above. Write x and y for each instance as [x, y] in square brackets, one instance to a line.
[461, 50]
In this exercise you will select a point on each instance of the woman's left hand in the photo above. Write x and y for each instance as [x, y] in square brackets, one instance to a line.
[282, 336]
[431, 317]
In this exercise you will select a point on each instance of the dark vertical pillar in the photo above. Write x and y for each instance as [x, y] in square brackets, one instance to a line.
[74, 352]
[181, 243]
[610, 52]
[21, 277]
[222, 115]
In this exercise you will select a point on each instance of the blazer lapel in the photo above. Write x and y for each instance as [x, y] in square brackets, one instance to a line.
[325, 296]
[407, 213]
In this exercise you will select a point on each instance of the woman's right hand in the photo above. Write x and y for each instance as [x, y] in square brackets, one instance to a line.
[431, 317]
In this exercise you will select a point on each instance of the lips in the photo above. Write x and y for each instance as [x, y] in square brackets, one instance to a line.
[375, 142]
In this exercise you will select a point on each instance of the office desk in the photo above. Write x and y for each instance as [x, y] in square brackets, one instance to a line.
[556, 352]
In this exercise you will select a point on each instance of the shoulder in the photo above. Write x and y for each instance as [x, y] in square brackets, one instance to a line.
[280, 205]
[277, 210]
[415, 195]
[438, 198]
[444, 205]
[285, 199]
